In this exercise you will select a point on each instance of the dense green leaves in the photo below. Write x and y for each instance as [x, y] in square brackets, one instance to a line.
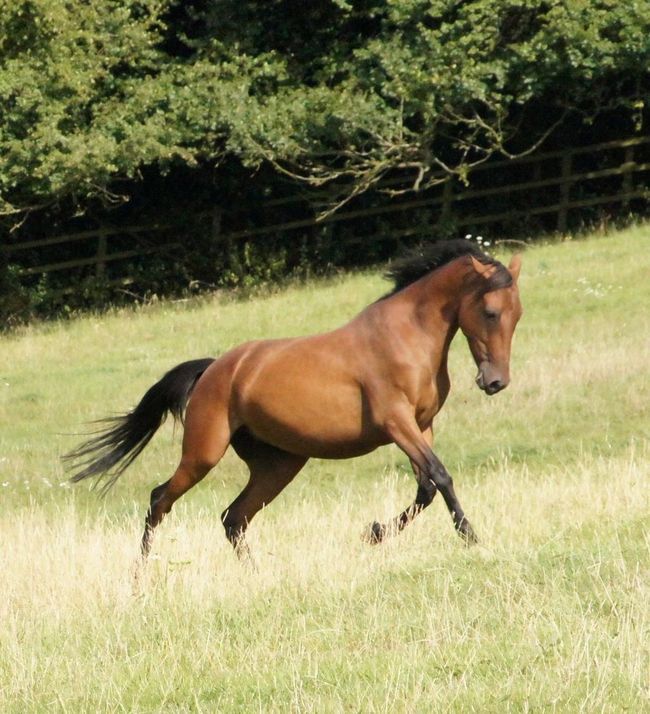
[94, 92]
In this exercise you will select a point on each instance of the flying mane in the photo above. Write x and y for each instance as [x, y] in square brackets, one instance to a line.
[426, 258]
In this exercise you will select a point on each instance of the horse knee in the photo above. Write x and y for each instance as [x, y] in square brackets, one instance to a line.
[440, 478]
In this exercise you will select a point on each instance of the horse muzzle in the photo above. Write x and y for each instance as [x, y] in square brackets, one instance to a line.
[490, 380]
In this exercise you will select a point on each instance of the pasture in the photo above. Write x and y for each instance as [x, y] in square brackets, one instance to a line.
[549, 612]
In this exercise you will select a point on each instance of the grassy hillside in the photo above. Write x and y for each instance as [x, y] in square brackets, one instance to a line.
[548, 612]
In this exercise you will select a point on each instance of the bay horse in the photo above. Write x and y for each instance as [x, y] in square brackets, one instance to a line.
[379, 379]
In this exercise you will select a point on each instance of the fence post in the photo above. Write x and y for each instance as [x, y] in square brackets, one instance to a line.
[628, 165]
[102, 245]
[565, 189]
[447, 200]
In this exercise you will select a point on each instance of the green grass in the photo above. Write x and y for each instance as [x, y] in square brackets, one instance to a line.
[549, 612]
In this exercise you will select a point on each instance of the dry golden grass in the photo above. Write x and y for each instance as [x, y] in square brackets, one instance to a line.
[550, 610]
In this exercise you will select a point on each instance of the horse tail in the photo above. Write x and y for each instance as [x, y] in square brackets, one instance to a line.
[119, 444]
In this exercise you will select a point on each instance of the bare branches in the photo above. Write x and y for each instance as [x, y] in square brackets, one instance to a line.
[451, 147]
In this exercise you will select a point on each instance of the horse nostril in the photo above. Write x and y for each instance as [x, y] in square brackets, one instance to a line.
[496, 386]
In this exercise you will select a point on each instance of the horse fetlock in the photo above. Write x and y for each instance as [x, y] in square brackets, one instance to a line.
[233, 526]
[234, 534]
[236, 537]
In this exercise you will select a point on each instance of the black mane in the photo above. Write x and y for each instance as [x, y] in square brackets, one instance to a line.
[422, 260]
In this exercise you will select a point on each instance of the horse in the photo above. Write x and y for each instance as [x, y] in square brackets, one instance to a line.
[379, 379]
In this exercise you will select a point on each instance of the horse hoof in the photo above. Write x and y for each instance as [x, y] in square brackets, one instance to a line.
[375, 533]
[469, 537]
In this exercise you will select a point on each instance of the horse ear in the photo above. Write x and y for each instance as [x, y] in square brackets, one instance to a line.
[515, 266]
[482, 268]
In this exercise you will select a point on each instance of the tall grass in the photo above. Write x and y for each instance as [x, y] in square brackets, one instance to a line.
[548, 612]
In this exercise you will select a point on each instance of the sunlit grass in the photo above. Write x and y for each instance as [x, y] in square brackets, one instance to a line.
[548, 612]
[550, 608]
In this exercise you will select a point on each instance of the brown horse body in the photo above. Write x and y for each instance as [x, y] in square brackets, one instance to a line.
[379, 379]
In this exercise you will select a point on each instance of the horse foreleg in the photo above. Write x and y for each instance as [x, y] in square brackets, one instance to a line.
[423, 497]
[431, 476]
[444, 483]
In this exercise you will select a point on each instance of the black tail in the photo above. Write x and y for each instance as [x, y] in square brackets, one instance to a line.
[120, 443]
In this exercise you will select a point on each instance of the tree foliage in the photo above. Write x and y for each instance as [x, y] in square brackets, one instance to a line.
[93, 93]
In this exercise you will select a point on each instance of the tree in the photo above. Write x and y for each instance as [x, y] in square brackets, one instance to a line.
[92, 93]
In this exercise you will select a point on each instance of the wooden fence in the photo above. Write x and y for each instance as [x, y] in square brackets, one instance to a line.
[555, 173]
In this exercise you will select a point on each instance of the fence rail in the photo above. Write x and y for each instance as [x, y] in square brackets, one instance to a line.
[449, 199]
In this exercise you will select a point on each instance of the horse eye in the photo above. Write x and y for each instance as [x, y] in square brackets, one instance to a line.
[491, 315]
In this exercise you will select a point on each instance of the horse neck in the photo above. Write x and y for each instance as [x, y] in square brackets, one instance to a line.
[433, 304]
[437, 302]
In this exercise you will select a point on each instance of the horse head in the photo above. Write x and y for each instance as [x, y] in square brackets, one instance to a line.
[489, 312]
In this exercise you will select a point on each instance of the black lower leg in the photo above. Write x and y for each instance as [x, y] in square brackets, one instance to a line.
[425, 493]
[235, 532]
[154, 515]
[445, 484]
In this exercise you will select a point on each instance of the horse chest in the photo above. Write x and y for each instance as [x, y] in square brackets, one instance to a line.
[430, 402]
[425, 412]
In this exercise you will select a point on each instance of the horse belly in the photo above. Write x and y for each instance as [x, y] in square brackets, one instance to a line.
[309, 413]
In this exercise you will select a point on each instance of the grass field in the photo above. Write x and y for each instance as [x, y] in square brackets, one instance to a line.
[549, 613]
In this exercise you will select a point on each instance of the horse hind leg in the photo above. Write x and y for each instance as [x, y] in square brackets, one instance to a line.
[163, 497]
[205, 441]
[271, 469]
